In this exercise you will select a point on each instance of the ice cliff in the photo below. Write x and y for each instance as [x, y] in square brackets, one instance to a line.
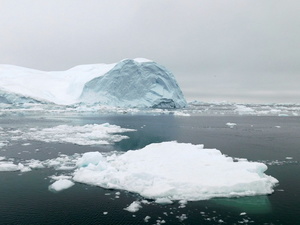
[129, 83]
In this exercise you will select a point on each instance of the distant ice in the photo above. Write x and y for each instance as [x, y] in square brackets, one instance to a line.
[90, 134]
[231, 125]
[60, 185]
[179, 113]
[176, 171]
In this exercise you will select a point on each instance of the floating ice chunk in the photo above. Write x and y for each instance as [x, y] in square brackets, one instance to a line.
[182, 217]
[178, 113]
[2, 144]
[2, 158]
[177, 171]
[288, 157]
[60, 185]
[7, 166]
[231, 125]
[60, 177]
[163, 201]
[147, 218]
[35, 164]
[134, 207]
[26, 144]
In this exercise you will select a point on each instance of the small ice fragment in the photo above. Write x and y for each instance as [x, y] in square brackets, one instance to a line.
[2, 158]
[163, 201]
[231, 125]
[145, 202]
[134, 207]
[182, 217]
[243, 213]
[60, 185]
[277, 126]
[288, 157]
[105, 213]
[26, 144]
[60, 177]
[182, 203]
[147, 218]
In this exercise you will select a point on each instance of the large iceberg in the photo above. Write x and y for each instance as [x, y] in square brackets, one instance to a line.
[135, 84]
[129, 83]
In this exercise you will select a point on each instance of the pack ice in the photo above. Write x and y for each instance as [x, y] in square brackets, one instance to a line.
[129, 83]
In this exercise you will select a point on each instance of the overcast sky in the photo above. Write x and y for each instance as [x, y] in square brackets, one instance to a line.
[219, 50]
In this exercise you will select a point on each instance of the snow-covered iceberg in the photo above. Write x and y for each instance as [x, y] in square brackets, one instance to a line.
[129, 83]
[175, 171]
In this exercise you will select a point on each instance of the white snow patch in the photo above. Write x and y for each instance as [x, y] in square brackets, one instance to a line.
[60, 185]
[134, 207]
[177, 171]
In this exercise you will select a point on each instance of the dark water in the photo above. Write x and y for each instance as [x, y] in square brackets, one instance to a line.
[25, 199]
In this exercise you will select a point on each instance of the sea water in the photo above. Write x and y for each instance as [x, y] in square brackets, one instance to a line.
[272, 140]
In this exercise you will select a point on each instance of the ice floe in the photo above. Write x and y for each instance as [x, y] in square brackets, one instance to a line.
[89, 134]
[176, 171]
[60, 185]
[134, 207]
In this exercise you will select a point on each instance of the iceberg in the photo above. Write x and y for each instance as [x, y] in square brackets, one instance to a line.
[129, 83]
[175, 171]
[135, 84]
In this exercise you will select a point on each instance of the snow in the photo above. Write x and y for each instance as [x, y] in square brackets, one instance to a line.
[175, 171]
[129, 83]
[60, 185]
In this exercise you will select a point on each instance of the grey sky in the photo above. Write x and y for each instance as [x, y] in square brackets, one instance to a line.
[219, 50]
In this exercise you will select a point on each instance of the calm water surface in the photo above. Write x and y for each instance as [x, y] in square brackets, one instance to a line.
[25, 198]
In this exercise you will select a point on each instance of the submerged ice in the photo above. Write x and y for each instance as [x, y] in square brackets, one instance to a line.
[175, 171]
